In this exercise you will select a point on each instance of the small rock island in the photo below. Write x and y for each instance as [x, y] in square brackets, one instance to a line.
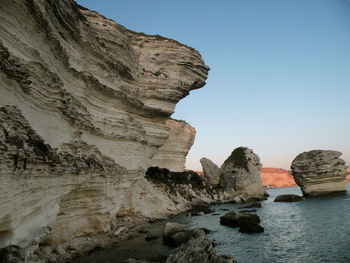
[319, 172]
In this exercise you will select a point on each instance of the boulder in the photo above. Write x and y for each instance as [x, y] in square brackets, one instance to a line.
[198, 249]
[319, 172]
[288, 198]
[253, 205]
[240, 174]
[211, 171]
[251, 228]
[247, 222]
[175, 234]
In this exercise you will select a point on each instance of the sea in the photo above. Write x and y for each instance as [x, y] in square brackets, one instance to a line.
[312, 230]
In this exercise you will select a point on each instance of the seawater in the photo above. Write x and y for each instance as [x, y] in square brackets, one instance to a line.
[312, 230]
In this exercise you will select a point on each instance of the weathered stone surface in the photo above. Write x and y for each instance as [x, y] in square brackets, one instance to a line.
[248, 222]
[241, 174]
[210, 171]
[288, 198]
[90, 106]
[319, 172]
[198, 249]
[172, 154]
[175, 234]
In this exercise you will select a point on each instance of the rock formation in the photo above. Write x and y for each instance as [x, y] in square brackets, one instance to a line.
[198, 249]
[319, 172]
[288, 198]
[89, 111]
[210, 171]
[246, 221]
[241, 174]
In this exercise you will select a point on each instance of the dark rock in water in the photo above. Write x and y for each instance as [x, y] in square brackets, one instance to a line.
[248, 222]
[258, 198]
[288, 198]
[208, 210]
[251, 227]
[195, 214]
[199, 249]
[249, 211]
[150, 237]
[215, 214]
[206, 231]
[236, 219]
[253, 205]
[12, 254]
[224, 209]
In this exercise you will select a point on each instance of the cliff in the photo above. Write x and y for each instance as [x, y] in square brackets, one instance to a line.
[276, 178]
[85, 110]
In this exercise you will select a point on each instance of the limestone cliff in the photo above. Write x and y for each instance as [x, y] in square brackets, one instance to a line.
[319, 172]
[89, 111]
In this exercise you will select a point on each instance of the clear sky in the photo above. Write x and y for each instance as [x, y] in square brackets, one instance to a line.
[280, 72]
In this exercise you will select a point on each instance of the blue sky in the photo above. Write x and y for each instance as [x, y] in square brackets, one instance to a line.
[280, 72]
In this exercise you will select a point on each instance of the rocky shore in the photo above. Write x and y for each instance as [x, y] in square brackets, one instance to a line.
[86, 139]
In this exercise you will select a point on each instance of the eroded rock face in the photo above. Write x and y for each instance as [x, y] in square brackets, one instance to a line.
[172, 154]
[241, 174]
[319, 172]
[210, 171]
[89, 110]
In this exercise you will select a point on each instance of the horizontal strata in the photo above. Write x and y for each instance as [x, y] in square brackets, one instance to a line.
[97, 99]
[319, 172]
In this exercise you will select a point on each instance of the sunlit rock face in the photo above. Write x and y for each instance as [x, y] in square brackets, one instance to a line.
[97, 99]
[276, 178]
[241, 173]
[319, 172]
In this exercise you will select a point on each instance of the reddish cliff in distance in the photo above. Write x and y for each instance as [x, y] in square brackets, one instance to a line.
[276, 178]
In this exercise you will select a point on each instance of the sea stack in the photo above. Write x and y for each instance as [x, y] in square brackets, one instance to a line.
[241, 174]
[319, 172]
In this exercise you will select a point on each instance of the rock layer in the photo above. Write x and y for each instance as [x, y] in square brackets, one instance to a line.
[319, 172]
[90, 105]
